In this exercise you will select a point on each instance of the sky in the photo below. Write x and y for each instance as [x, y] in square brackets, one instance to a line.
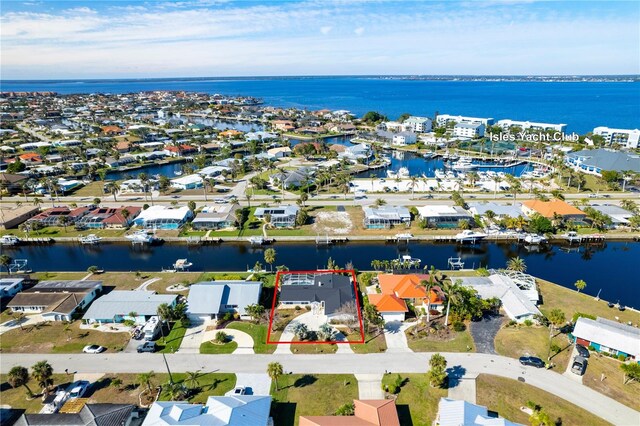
[198, 38]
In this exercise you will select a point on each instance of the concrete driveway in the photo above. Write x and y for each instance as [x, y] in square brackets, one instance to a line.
[193, 337]
[255, 384]
[395, 337]
[484, 333]
[370, 386]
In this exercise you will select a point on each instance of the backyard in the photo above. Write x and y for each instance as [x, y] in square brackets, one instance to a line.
[311, 395]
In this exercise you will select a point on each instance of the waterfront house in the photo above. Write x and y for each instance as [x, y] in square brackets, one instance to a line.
[179, 150]
[454, 412]
[404, 138]
[595, 161]
[367, 412]
[283, 125]
[193, 181]
[283, 216]
[443, 216]
[391, 307]
[611, 337]
[468, 130]
[11, 183]
[327, 291]
[354, 153]
[89, 415]
[417, 124]
[444, 119]
[117, 305]
[552, 208]
[384, 217]
[56, 300]
[517, 292]
[216, 217]
[619, 216]
[279, 152]
[9, 287]
[109, 217]
[213, 171]
[409, 289]
[213, 299]
[12, 217]
[51, 217]
[236, 410]
[163, 217]
[526, 125]
[501, 211]
[627, 138]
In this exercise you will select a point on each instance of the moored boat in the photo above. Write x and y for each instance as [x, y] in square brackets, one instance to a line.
[9, 240]
[469, 236]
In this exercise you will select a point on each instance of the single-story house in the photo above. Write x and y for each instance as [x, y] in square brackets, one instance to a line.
[212, 171]
[608, 336]
[549, 208]
[407, 288]
[292, 178]
[283, 216]
[115, 306]
[216, 217]
[211, 299]
[56, 300]
[391, 307]
[163, 217]
[329, 291]
[12, 183]
[110, 217]
[188, 182]
[501, 211]
[89, 415]
[12, 217]
[385, 216]
[9, 287]
[51, 217]
[237, 410]
[517, 292]
[456, 412]
[618, 215]
[367, 412]
[443, 216]
[279, 152]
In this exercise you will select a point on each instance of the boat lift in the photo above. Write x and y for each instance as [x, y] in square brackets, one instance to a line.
[455, 263]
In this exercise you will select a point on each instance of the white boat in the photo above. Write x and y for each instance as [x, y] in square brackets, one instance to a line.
[391, 174]
[90, 239]
[470, 236]
[9, 240]
[535, 239]
[404, 236]
[572, 236]
[141, 237]
[182, 264]
[177, 173]
[403, 172]
[440, 174]
[256, 241]
[463, 164]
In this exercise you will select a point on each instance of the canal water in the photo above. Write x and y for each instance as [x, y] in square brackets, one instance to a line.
[242, 126]
[611, 266]
[151, 170]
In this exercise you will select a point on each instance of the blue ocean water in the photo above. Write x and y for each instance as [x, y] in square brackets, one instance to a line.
[580, 105]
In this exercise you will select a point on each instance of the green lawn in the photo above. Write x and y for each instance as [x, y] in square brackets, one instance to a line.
[259, 334]
[456, 342]
[17, 398]
[518, 341]
[373, 343]
[53, 337]
[506, 396]
[208, 384]
[171, 343]
[311, 395]
[214, 348]
[417, 401]
[612, 385]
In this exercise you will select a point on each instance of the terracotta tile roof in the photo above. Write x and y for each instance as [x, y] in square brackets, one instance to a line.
[548, 208]
[388, 303]
[367, 413]
[406, 286]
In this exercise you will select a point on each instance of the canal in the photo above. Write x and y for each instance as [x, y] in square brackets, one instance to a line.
[612, 266]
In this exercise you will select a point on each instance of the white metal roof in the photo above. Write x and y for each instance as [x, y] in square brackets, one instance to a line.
[611, 334]
[121, 302]
[453, 412]
[206, 298]
[163, 212]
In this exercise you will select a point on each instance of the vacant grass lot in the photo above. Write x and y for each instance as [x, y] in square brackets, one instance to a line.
[457, 342]
[17, 398]
[417, 401]
[612, 385]
[506, 396]
[52, 337]
[570, 302]
[311, 395]
[515, 342]
[259, 334]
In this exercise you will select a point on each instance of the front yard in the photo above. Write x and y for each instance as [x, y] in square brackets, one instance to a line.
[17, 397]
[521, 340]
[56, 337]
[443, 340]
[417, 401]
[259, 334]
[506, 396]
[612, 382]
[171, 343]
[311, 395]
[373, 343]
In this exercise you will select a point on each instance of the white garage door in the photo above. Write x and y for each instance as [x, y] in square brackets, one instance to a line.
[393, 316]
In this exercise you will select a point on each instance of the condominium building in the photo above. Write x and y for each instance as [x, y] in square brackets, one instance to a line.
[625, 137]
[444, 119]
[505, 124]
[468, 130]
[417, 124]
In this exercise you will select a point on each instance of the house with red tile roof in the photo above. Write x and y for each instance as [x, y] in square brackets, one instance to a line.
[369, 412]
[30, 157]
[408, 289]
[550, 208]
[390, 306]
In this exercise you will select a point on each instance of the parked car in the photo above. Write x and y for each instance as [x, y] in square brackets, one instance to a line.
[77, 389]
[147, 347]
[532, 361]
[579, 365]
[582, 351]
[240, 390]
[93, 349]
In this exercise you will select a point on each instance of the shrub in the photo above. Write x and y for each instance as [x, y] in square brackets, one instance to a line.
[622, 358]
[482, 272]
[512, 323]
[459, 326]
[297, 308]
[129, 323]
[528, 322]
[221, 337]
[591, 348]
[345, 410]
[228, 316]
[582, 315]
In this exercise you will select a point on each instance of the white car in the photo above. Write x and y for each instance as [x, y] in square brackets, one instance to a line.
[77, 389]
[93, 349]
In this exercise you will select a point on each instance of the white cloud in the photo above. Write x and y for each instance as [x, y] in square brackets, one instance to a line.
[325, 30]
[359, 31]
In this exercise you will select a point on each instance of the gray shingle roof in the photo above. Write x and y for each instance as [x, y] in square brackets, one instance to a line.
[607, 159]
[335, 290]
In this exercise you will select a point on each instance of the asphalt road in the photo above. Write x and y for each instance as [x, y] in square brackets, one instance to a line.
[464, 363]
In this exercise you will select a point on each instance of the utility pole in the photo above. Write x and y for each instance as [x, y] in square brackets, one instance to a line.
[168, 371]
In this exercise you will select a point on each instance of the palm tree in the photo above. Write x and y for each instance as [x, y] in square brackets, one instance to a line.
[629, 205]
[145, 379]
[19, 376]
[428, 286]
[42, 372]
[113, 187]
[165, 313]
[516, 264]
[37, 201]
[5, 261]
[270, 257]
[274, 370]
[452, 293]
[413, 182]
[580, 285]
[193, 378]
[144, 180]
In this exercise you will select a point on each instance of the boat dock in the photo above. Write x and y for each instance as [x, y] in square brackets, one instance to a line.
[37, 240]
[326, 241]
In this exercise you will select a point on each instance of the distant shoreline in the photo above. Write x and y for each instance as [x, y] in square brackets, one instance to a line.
[632, 78]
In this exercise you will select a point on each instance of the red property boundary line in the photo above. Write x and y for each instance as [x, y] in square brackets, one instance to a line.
[336, 271]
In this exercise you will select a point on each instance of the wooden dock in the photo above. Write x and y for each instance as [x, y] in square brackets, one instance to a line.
[37, 240]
